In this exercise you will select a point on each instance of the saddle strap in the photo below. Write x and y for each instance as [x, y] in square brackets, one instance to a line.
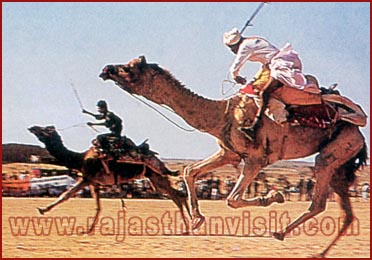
[358, 117]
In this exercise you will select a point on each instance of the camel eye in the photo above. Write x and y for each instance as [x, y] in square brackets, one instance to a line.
[121, 71]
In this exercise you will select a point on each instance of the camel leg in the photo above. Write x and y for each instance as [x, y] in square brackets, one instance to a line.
[236, 197]
[192, 171]
[162, 184]
[65, 196]
[123, 205]
[340, 185]
[333, 156]
[98, 209]
[317, 206]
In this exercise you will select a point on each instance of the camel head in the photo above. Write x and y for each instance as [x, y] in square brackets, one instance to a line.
[130, 77]
[45, 134]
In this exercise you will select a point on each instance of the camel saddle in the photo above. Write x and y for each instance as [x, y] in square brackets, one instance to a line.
[321, 110]
[123, 146]
[332, 108]
[306, 107]
[124, 150]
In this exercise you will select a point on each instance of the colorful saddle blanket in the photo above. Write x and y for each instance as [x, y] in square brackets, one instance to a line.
[320, 116]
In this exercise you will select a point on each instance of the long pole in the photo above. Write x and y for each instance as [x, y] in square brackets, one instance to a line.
[80, 103]
[248, 23]
[77, 96]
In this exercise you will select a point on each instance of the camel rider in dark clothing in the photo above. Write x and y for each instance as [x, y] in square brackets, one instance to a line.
[112, 122]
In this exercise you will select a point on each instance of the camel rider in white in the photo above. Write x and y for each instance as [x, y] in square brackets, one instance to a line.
[280, 67]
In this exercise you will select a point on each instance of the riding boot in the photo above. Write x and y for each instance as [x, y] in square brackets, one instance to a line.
[250, 131]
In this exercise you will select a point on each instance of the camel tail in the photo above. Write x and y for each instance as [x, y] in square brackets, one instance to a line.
[356, 163]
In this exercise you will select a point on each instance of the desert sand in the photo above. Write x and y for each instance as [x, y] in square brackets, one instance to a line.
[152, 228]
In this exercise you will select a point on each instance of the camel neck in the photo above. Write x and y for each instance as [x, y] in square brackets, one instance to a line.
[201, 113]
[64, 156]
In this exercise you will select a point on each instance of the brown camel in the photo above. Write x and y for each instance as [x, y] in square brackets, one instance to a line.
[341, 148]
[96, 175]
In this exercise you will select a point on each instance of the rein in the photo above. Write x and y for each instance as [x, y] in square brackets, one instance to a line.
[162, 114]
[72, 126]
[78, 125]
[231, 86]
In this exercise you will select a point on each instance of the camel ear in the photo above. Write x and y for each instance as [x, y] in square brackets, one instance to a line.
[50, 128]
[143, 61]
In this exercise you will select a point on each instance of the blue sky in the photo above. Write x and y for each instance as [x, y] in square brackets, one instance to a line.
[47, 47]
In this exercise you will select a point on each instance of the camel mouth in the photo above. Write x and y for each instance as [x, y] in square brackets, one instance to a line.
[32, 129]
[104, 76]
[107, 72]
[36, 130]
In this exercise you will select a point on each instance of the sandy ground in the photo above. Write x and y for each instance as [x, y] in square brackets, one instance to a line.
[152, 228]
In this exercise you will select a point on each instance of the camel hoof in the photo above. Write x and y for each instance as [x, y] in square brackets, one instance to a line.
[90, 231]
[41, 211]
[279, 236]
[197, 221]
[279, 198]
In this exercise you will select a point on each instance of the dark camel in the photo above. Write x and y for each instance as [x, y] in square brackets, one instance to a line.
[342, 149]
[94, 173]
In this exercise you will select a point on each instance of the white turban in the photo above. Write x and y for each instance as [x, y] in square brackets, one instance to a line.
[232, 37]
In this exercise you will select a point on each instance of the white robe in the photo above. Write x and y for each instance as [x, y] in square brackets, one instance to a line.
[284, 64]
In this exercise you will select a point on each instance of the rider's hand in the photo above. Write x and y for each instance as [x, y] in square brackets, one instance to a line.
[90, 123]
[84, 111]
[240, 80]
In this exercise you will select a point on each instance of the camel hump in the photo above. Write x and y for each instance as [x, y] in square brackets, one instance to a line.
[348, 110]
[144, 148]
